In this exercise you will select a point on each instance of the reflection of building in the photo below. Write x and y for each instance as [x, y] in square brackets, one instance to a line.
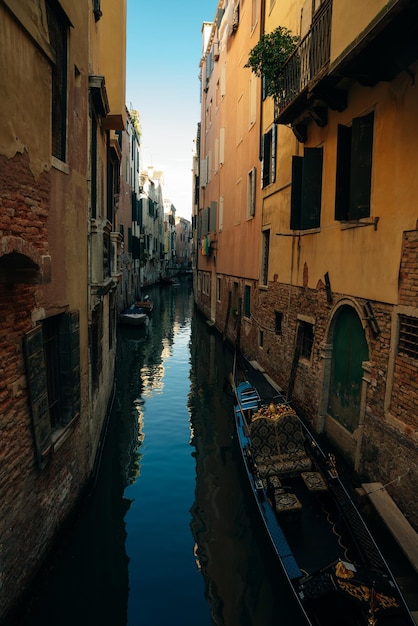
[62, 106]
[152, 225]
[315, 273]
[129, 214]
[183, 243]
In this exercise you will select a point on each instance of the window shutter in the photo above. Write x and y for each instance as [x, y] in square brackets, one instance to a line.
[342, 190]
[203, 172]
[134, 208]
[252, 191]
[361, 166]
[69, 348]
[273, 153]
[296, 193]
[212, 216]
[222, 146]
[205, 222]
[38, 393]
[311, 188]
[266, 158]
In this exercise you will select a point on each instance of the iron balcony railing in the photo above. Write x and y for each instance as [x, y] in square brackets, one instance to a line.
[309, 59]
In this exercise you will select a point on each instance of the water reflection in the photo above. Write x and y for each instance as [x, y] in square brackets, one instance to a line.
[242, 584]
[167, 535]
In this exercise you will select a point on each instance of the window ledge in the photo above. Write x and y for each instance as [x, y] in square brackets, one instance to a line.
[60, 165]
[359, 223]
[60, 435]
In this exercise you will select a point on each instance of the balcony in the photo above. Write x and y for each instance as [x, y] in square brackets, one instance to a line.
[311, 84]
[304, 70]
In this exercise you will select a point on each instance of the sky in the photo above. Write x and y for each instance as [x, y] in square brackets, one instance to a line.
[164, 48]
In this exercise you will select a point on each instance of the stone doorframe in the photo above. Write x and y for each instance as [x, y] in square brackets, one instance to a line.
[353, 440]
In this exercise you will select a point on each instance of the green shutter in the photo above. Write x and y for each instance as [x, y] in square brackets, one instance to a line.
[266, 158]
[38, 393]
[296, 194]
[311, 188]
[212, 216]
[342, 190]
[134, 208]
[361, 166]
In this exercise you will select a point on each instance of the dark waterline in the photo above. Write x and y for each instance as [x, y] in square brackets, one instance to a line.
[167, 536]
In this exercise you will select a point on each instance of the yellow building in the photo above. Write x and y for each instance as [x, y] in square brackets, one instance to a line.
[334, 316]
[227, 241]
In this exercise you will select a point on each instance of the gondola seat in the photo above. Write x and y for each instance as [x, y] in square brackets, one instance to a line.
[277, 445]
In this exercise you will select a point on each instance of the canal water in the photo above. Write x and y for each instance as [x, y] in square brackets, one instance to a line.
[168, 534]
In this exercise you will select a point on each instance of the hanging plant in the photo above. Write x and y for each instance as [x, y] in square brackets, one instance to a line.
[268, 58]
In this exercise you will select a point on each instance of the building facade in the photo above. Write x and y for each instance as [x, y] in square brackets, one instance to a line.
[332, 314]
[62, 106]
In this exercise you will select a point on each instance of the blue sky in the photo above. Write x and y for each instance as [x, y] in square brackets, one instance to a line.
[164, 47]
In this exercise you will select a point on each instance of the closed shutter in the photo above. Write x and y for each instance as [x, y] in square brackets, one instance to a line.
[361, 166]
[212, 216]
[38, 393]
[134, 207]
[311, 188]
[296, 194]
[266, 158]
[342, 190]
[205, 222]
[273, 153]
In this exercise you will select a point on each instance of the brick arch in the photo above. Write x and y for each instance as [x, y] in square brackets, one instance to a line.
[20, 262]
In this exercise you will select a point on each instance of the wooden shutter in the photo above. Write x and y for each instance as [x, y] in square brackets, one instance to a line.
[311, 188]
[342, 189]
[266, 158]
[296, 193]
[205, 222]
[273, 153]
[361, 166]
[69, 348]
[212, 216]
[134, 207]
[38, 393]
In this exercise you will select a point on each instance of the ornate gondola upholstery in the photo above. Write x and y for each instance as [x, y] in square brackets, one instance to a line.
[277, 442]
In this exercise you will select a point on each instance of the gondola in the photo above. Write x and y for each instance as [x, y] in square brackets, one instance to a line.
[133, 316]
[327, 554]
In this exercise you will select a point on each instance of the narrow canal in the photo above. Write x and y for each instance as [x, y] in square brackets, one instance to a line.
[167, 535]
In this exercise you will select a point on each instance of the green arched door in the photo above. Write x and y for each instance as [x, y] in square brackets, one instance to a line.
[349, 350]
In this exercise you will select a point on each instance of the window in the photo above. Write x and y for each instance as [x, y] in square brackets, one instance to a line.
[278, 315]
[58, 35]
[251, 192]
[354, 169]
[261, 338]
[253, 100]
[265, 257]
[52, 356]
[305, 338]
[306, 196]
[96, 10]
[218, 289]
[247, 301]
[254, 13]
[269, 157]
[408, 336]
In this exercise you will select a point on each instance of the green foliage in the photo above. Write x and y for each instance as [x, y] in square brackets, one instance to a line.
[269, 56]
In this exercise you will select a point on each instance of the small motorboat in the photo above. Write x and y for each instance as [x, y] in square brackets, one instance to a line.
[133, 316]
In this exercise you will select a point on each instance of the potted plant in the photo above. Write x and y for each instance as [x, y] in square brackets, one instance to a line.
[268, 58]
